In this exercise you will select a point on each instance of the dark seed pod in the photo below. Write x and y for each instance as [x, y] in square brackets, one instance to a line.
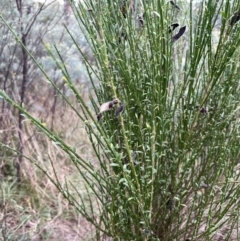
[172, 27]
[122, 37]
[203, 110]
[175, 5]
[141, 21]
[235, 18]
[179, 34]
[119, 109]
[99, 116]
[124, 9]
[170, 201]
[169, 204]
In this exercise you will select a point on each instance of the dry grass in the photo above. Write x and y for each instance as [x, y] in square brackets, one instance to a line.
[34, 209]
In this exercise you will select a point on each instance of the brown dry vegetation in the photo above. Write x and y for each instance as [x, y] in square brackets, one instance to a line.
[34, 209]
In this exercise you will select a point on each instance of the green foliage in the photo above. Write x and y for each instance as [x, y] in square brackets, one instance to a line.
[168, 163]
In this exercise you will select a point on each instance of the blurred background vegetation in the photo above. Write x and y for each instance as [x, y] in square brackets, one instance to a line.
[134, 124]
[31, 207]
